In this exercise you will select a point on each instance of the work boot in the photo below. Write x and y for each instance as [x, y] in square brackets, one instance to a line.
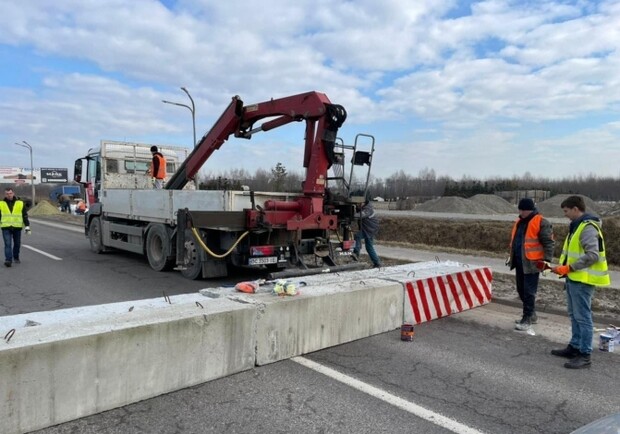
[7, 263]
[17, 261]
[355, 256]
[581, 361]
[524, 325]
[533, 319]
[569, 352]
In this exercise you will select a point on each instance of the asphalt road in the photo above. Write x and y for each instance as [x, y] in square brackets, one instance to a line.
[466, 373]
[58, 271]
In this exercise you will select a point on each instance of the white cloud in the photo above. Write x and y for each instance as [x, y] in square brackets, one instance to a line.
[480, 79]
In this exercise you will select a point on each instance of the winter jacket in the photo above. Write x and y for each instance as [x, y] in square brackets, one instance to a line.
[531, 234]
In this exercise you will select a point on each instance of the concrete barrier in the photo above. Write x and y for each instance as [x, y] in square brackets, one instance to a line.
[62, 365]
[62, 370]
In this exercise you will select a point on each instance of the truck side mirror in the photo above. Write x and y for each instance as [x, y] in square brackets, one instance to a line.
[77, 171]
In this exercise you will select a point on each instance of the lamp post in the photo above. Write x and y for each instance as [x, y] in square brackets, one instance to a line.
[25, 144]
[192, 109]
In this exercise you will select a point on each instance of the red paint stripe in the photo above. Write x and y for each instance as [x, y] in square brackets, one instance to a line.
[489, 274]
[423, 299]
[475, 286]
[431, 285]
[444, 295]
[413, 302]
[455, 292]
[486, 282]
[464, 289]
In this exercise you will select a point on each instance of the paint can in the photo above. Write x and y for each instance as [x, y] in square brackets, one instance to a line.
[406, 332]
[606, 343]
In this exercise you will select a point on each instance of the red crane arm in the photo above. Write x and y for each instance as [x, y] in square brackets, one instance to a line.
[322, 122]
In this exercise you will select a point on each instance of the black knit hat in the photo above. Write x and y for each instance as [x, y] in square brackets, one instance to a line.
[526, 204]
[153, 148]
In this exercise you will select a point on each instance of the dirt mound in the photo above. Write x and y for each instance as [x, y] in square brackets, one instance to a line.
[551, 206]
[496, 203]
[44, 208]
[454, 204]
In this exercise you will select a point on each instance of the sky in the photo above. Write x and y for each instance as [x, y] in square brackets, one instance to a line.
[479, 89]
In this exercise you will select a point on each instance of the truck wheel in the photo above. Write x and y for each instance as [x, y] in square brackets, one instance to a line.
[95, 236]
[192, 265]
[158, 248]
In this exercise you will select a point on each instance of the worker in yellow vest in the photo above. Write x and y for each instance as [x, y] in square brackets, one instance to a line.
[13, 218]
[584, 266]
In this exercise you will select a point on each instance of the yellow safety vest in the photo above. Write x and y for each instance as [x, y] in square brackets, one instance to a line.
[12, 219]
[596, 274]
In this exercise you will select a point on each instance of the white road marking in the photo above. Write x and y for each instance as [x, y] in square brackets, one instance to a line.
[410, 407]
[55, 258]
[66, 226]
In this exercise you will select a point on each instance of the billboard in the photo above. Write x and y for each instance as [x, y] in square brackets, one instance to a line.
[54, 175]
[18, 175]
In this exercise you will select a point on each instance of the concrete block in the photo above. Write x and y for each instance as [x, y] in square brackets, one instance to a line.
[73, 366]
[324, 316]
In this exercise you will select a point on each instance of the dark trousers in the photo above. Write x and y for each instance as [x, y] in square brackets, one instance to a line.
[12, 238]
[527, 286]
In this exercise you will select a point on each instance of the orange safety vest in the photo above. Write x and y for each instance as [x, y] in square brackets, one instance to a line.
[161, 171]
[534, 250]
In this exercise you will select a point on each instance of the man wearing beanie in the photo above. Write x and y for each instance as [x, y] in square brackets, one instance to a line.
[531, 242]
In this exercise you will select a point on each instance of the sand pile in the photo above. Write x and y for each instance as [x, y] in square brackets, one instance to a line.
[454, 204]
[551, 206]
[44, 208]
[496, 203]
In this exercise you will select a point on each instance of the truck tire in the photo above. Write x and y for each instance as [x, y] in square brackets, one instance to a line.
[192, 266]
[95, 236]
[159, 248]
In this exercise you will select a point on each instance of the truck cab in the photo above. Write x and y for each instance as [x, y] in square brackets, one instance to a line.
[121, 165]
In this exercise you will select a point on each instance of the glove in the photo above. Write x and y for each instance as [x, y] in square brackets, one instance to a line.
[561, 270]
[27, 230]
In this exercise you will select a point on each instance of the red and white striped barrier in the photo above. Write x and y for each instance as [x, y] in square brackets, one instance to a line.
[442, 295]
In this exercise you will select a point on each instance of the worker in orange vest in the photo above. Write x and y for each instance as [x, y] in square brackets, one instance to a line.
[531, 244]
[80, 208]
[158, 168]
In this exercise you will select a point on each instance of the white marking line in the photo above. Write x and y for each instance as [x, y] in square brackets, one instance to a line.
[410, 407]
[55, 258]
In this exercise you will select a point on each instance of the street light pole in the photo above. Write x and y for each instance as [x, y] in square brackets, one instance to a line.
[27, 145]
[192, 109]
[193, 113]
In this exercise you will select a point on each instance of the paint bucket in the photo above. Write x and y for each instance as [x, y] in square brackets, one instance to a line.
[406, 332]
[606, 343]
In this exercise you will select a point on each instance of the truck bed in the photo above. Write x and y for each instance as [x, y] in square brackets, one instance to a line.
[161, 205]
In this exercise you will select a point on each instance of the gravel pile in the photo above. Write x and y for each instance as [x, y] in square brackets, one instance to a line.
[43, 208]
[496, 203]
[454, 204]
[551, 206]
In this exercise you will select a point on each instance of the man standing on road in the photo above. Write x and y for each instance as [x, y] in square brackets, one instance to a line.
[369, 226]
[531, 242]
[158, 168]
[584, 266]
[13, 217]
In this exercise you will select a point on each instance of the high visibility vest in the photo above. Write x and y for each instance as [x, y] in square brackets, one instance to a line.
[595, 274]
[12, 219]
[161, 171]
[534, 250]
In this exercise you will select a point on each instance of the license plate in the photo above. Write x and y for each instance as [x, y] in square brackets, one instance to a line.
[263, 260]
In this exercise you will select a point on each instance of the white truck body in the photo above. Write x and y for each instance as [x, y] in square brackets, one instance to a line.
[126, 190]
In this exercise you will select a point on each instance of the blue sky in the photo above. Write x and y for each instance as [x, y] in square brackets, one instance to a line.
[466, 88]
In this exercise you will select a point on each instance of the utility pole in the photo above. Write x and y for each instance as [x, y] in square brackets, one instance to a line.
[25, 144]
